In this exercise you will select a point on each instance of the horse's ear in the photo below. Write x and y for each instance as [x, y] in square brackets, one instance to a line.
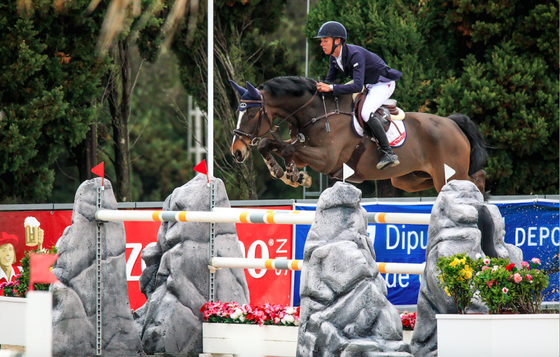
[238, 88]
[253, 92]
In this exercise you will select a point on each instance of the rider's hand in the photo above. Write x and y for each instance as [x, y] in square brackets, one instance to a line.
[323, 87]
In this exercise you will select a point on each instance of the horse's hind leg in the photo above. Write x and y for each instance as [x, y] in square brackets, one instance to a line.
[479, 179]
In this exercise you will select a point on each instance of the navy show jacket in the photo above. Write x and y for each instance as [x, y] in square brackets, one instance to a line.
[363, 66]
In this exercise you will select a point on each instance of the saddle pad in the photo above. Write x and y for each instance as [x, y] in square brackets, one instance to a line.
[395, 138]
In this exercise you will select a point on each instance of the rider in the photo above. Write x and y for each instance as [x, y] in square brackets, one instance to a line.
[366, 69]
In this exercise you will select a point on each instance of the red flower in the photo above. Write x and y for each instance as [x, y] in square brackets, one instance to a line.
[490, 283]
[510, 266]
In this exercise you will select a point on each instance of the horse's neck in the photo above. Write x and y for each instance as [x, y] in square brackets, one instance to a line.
[300, 110]
[328, 103]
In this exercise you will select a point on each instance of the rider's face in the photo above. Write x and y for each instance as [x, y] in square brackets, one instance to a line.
[326, 45]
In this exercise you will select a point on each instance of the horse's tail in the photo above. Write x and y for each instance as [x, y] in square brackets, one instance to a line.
[479, 155]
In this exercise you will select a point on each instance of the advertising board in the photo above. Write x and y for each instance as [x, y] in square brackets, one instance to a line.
[256, 241]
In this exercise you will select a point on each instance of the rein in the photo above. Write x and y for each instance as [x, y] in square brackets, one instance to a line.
[255, 138]
[326, 115]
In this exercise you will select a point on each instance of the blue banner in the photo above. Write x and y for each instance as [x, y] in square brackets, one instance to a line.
[532, 226]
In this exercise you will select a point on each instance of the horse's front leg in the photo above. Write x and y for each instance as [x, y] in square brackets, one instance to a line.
[294, 178]
[291, 168]
[265, 147]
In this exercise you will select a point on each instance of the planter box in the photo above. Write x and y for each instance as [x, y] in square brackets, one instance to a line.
[407, 335]
[13, 311]
[498, 335]
[249, 340]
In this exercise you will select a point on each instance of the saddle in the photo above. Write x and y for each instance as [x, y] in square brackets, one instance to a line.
[388, 112]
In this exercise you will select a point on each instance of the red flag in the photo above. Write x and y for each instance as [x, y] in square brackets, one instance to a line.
[202, 169]
[40, 269]
[99, 170]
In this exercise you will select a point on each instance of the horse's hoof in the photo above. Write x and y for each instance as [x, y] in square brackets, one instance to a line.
[279, 172]
[294, 176]
[304, 180]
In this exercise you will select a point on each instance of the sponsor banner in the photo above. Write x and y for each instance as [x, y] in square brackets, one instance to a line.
[256, 241]
[532, 226]
[267, 241]
[52, 223]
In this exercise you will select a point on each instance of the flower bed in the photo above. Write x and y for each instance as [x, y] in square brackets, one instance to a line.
[230, 324]
[267, 314]
[408, 320]
[498, 283]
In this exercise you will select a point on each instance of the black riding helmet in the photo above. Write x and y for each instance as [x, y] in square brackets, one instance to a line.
[332, 29]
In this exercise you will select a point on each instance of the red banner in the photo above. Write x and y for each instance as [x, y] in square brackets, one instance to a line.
[257, 241]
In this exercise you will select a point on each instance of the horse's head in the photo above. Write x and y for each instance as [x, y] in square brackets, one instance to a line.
[253, 121]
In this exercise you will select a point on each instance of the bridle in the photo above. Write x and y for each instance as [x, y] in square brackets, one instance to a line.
[255, 138]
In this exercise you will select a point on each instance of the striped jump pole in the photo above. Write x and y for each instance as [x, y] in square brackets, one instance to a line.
[373, 217]
[286, 264]
[234, 215]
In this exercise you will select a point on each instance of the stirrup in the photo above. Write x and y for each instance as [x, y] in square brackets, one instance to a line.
[388, 160]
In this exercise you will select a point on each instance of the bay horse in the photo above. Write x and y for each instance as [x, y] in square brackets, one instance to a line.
[322, 137]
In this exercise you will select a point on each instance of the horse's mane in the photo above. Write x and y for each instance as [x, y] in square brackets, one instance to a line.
[289, 86]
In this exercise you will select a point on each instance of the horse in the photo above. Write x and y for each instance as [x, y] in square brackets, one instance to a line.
[322, 137]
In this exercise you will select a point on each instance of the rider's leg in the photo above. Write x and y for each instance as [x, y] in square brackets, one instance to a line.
[389, 158]
[377, 95]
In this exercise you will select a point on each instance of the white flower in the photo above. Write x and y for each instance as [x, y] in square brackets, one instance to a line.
[242, 318]
[290, 310]
[288, 319]
[478, 256]
[486, 261]
[237, 314]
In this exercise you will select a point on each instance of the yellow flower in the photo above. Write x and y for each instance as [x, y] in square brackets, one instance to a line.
[455, 262]
[441, 277]
[447, 291]
[466, 272]
[463, 261]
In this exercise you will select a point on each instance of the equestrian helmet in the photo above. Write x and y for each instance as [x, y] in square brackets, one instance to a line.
[332, 29]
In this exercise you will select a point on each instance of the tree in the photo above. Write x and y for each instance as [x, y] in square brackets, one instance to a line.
[509, 86]
[158, 129]
[50, 79]
[242, 53]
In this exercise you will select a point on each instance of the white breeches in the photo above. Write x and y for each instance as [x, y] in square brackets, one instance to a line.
[377, 95]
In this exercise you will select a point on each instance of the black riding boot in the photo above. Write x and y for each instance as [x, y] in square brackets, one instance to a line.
[388, 157]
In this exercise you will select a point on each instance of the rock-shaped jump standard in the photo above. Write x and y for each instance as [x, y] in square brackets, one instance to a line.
[74, 298]
[175, 280]
[459, 220]
[344, 308]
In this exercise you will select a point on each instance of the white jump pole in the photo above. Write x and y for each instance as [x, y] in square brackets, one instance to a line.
[286, 264]
[249, 216]
[373, 217]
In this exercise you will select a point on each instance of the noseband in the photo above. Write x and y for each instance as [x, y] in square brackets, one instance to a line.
[255, 138]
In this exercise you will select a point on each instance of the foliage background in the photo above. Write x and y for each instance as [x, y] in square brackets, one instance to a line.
[494, 61]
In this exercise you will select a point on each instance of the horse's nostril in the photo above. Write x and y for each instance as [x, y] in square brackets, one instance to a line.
[238, 156]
